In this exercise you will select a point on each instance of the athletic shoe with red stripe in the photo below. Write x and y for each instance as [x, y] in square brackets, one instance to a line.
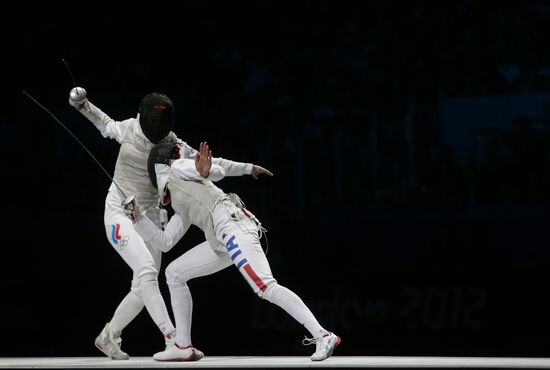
[325, 345]
[178, 353]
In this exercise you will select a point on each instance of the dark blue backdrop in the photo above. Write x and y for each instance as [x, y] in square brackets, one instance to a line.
[410, 149]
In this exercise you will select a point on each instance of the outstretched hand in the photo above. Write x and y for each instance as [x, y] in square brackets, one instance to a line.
[203, 159]
[258, 170]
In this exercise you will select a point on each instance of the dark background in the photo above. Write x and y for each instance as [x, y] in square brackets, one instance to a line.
[409, 143]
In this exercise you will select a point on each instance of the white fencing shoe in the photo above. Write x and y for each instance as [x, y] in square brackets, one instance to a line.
[325, 345]
[109, 342]
[178, 353]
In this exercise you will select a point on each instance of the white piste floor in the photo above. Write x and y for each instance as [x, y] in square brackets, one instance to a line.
[252, 362]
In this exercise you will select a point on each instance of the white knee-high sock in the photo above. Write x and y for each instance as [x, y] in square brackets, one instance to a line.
[182, 305]
[295, 307]
[126, 311]
[156, 307]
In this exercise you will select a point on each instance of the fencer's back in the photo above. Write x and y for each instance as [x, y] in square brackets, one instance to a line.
[194, 201]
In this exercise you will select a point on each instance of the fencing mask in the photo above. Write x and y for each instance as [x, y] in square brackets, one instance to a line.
[161, 153]
[156, 116]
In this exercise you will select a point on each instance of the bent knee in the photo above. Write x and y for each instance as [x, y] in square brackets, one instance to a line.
[267, 290]
[148, 277]
[175, 276]
[146, 271]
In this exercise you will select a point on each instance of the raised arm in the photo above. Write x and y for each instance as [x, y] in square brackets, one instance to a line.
[231, 168]
[107, 126]
[201, 168]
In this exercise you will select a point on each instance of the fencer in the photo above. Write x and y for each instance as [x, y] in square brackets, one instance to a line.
[136, 136]
[233, 237]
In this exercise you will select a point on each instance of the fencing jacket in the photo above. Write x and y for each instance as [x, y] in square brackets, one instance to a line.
[131, 174]
[131, 168]
[194, 201]
[193, 197]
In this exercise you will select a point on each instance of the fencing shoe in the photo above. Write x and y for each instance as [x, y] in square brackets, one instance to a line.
[325, 345]
[109, 342]
[178, 353]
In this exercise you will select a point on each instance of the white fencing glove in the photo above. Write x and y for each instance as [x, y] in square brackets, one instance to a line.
[77, 97]
[131, 209]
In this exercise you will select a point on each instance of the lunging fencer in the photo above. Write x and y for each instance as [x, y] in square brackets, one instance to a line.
[152, 125]
[233, 236]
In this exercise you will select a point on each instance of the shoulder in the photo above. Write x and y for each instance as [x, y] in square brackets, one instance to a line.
[172, 138]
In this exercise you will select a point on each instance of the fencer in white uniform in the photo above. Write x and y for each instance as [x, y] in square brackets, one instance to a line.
[152, 125]
[233, 237]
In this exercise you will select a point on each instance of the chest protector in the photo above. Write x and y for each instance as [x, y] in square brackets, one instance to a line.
[131, 167]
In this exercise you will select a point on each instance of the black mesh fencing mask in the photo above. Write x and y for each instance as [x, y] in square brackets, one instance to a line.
[156, 116]
[161, 153]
